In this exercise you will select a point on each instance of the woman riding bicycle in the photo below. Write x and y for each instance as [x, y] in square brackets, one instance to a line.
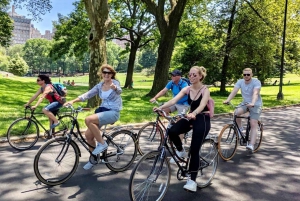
[109, 91]
[47, 90]
[199, 121]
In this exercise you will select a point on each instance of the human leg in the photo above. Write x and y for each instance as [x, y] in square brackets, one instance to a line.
[49, 110]
[239, 111]
[181, 126]
[255, 113]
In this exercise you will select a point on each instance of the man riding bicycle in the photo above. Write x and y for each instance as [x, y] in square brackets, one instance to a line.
[250, 89]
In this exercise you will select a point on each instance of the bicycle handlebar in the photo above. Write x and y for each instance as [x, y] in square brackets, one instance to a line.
[170, 118]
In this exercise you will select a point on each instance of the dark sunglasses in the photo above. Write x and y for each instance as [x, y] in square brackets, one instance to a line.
[192, 75]
[246, 74]
[38, 80]
[173, 75]
[107, 72]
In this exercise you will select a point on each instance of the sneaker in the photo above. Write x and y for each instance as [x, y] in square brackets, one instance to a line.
[180, 154]
[54, 125]
[100, 148]
[250, 147]
[190, 185]
[88, 166]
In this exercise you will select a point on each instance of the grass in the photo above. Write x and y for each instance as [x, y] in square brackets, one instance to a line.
[16, 91]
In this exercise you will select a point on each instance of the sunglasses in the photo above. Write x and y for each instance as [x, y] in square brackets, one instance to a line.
[192, 75]
[38, 80]
[174, 75]
[107, 72]
[246, 74]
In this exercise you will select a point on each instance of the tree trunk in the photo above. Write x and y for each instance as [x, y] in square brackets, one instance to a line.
[97, 11]
[132, 55]
[227, 49]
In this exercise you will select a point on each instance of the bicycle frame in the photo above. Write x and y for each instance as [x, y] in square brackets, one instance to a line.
[246, 136]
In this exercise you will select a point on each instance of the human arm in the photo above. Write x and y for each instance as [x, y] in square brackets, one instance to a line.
[116, 86]
[33, 97]
[44, 94]
[159, 94]
[255, 94]
[231, 95]
[175, 99]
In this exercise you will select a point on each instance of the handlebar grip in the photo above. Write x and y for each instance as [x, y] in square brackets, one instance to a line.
[86, 109]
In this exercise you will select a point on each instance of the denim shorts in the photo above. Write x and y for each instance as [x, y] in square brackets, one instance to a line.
[54, 106]
[255, 111]
[108, 117]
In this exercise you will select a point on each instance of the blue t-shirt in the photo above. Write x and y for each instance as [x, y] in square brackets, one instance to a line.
[176, 89]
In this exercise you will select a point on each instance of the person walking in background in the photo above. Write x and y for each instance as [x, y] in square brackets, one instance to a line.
[250, 89]
[109, 91]
[176, 84]
[47, 91]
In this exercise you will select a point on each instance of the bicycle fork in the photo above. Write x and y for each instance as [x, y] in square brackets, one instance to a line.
[63, 151]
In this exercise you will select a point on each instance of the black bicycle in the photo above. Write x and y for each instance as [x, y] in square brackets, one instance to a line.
[151, 175]
[231, 134]
[57, 160]
[24, 132]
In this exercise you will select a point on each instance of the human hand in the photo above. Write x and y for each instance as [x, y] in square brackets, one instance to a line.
[152, 100]
[68, 103]
[250, 105]
[225, 102]
[113, 87]
[191, 115]
[34, 107]
[26, 105]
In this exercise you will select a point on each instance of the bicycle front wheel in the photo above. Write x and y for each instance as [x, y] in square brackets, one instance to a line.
[209, 158]
[121, 151]
[22, 134]
[259, 136]
[150, 138]
[65, 125]
[150, 178]
[227, 142]
[56, 161]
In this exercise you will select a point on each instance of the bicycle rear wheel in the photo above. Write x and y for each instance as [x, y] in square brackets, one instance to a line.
[150, 178]
[227, 142]
[208, 156]
[121, 158]
[56, 161]
[22, 134]
[150, 138]
[259, 136]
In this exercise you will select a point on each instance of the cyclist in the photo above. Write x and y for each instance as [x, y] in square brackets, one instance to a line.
[250, 89]
[109, 91]
[199, 121]
[47, 90]
[176, 84]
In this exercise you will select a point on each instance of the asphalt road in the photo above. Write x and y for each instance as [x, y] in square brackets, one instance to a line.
[273, 173]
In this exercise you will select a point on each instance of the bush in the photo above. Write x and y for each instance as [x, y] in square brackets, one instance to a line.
[18, 66]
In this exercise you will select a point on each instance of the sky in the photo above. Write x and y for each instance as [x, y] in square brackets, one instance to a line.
[63, 7]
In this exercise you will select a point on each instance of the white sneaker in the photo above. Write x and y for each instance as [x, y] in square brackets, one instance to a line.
[180, 154]
[250, 147]
[100, 148]
[190, 185]
[88, 166]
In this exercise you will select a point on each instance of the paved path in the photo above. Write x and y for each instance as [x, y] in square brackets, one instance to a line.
[273, 173]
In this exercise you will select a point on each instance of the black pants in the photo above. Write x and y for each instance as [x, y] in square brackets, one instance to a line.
[201, 127]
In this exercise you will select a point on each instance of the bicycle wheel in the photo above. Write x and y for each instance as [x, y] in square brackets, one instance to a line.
[22, 134]
[56, 161]
[64, 126]
[259, 136]
[208, 156]
[150, 178]
[227, 142]
[150, 138]
[120, 159]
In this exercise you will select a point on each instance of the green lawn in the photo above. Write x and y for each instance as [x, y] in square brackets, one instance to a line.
[16, 91]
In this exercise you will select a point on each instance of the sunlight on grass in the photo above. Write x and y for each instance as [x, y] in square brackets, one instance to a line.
[16, 91]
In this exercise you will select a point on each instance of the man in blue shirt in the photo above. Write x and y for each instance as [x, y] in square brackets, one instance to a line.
[176, 84]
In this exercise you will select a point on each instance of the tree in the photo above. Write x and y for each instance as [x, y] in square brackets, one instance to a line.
[167, 17]
[18, 66]
[6, 25]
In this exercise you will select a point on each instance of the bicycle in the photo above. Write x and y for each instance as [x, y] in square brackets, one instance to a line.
[24, 132]
[150, 178]
[231, 134]
[57, 160]
[150, 136]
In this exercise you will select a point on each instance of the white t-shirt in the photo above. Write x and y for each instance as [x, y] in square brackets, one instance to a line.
[247, 90]
[104, 96]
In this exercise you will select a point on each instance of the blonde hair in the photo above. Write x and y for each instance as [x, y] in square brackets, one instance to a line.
[248, 69]
[109, 67]
[201, 70]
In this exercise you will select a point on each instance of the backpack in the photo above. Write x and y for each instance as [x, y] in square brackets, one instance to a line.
[210, 103]
[60, 89]
[180, 86]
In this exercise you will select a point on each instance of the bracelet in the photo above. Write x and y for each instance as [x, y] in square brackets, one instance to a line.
[195, 111]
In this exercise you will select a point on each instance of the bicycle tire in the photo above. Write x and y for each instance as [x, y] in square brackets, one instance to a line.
[208, 153]
[150, 138]
[22, 134]
[65, 125]
[142, 179]
[120, 160]
[227, 142]
[258, 137]
[46, 167]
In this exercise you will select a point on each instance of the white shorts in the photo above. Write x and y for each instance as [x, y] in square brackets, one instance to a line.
[181, 109]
